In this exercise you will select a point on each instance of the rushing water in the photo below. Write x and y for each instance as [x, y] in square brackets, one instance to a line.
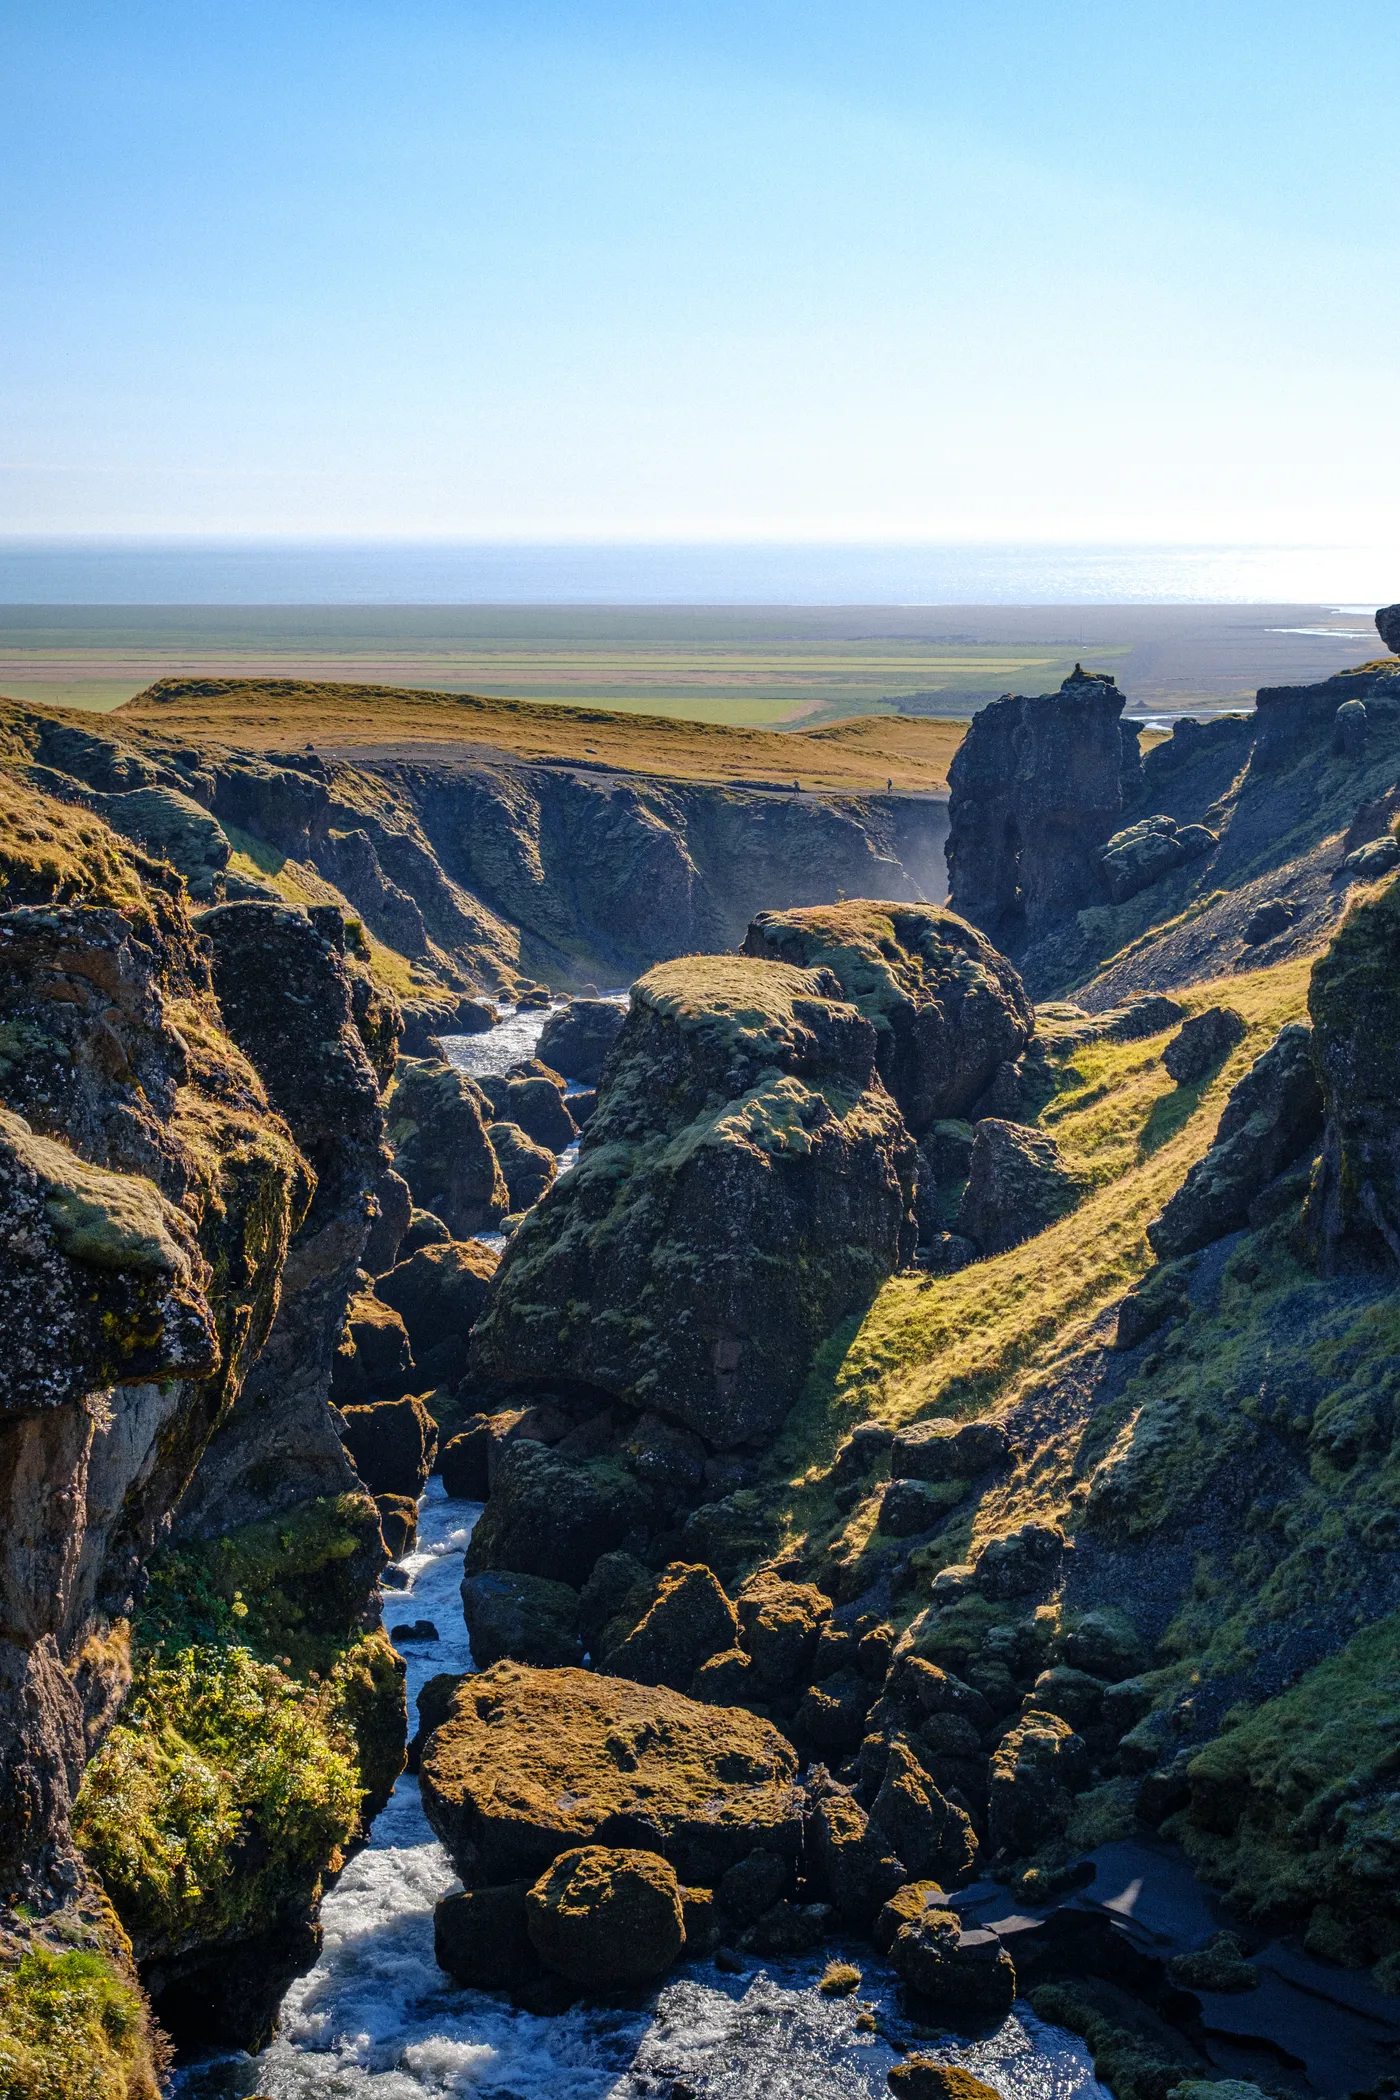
[376, 2019]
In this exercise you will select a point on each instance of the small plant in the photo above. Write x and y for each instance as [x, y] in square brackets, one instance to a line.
[839, 1979]
[72, 2028]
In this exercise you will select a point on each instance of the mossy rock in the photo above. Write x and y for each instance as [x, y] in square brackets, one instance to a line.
[607, 1918]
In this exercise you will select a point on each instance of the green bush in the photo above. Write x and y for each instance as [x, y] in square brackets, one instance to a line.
[71, 2028]
[224, 1791]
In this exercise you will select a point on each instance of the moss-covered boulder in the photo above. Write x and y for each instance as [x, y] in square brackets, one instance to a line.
[577, 1038]
[439, 1293]
[607, 1917]
[689, 1620]
[375, 1360]
[393, 1443]
[920, 2078]
[531, 1096]
[1036, 1769]
[857, 1865]
[782, 1623]
[548, 1516]
[1354, 1000]
[529, 1168]
[930, 1835]
[437, 1120]
[965, 1978]
[1016, 1186]
[744, 1185]
[946, 1007]
[482, 1938]
[532, 1763]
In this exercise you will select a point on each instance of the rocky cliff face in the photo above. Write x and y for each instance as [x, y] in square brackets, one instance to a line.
[189, 1137]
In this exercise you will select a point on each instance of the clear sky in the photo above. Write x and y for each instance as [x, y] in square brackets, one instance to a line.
[888, 269]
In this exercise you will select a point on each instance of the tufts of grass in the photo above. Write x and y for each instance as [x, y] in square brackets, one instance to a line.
[73, 2028]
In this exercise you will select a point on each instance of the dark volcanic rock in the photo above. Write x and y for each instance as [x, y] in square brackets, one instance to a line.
[431, 1014]
[947, 1450]
[1016, 1186]
[1143, 853]
[947, 1009]
[1037, 789]
[577, 1038]
[532, 1097]
[521, 1618]
[439, 1293]
[437, 1126]
[744, 1185]
[532, 1763]
[529, 1168]
[1354, 999]
[481, 1938]
[966, 1978]
[375, 1359]
[606, 1917]
[549, 1517]
[1388, 627]
[394, 1202]
[1267, 920]
[1037, 1768]
[689, 1620]
[928, 1833]
[858, 1866]
[1202, 1043]
[393, 1444]
[464, 1461]
[1273, 1114]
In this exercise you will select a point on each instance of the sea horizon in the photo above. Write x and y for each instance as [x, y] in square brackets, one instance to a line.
[167, 571]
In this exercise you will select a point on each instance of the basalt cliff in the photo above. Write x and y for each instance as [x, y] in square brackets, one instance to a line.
[935, 1435]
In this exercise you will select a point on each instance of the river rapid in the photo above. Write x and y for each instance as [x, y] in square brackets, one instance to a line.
[376, 2019]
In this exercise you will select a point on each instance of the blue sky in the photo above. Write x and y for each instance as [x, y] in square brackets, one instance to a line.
[427, 268]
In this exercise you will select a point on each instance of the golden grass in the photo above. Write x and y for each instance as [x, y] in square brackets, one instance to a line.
[962, 1344]
[858, 756]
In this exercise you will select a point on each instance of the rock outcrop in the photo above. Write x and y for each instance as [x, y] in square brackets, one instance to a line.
[530, 1764]
[745, 1183]
[577, 1038]
[1037, 790]
[1016, 1186]
[947, 1009]
[437, 1127]
[1354, 1000]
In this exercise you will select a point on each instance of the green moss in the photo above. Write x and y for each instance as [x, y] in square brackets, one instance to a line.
[221, 1795]
[1131, 2065]
[73, 2028]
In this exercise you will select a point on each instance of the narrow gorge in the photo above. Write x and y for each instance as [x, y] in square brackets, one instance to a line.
[642, 1459]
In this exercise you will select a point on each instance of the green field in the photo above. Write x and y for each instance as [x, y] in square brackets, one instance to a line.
[763, 668]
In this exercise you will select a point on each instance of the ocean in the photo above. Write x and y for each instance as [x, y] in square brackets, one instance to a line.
[138, 572]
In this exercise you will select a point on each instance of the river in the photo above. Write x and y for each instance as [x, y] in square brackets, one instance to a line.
[376, 2019]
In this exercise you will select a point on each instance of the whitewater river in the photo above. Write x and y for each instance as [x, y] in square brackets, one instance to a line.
[376, 2019]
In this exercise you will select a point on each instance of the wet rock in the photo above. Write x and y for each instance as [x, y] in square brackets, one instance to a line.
[394, 1203]
[1354, 999]
[1037, 788]
[1273, 1113]
[741, 1106]
[945, 1450]
[930, 1835]
[529, 1168]
[948, 1010]
[689, 1621]
[439, 1294]
[857, 1865]
[548, 1517]
[1267, 921]
[522, 1618]
[437, 1127]
[1202, 1043]
[393, 1444]
[414, 1630]
[753, 1885]
[398, 1523]
[920, 2078]
[577, 1038]
[607, 1918]
[530, 1763]
[1037, 1768]
[1017, 1564]
[481, 1937]
[1144, 852]
[463, 1462]
[966, 1978]
[781, 1623]
[1016, 1186]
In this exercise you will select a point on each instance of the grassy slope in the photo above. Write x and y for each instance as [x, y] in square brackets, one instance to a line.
[858, 756]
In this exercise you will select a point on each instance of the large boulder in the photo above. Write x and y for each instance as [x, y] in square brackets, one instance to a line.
[941, 1449]
[481, 1937]
[745, 1184]
[689, 1620]
[1202, 1043]
[782, 1623]
[577, 1038]
[1354, 999]
[532, 1763]
[1273, 1114]
[1015, 1188]
[1036, 1769]
[946, 1008]
[1144, 852]
[531, 1096]
[857, 1864]
[965, 1977]
[393, 1444]
[1037, 788]
[437, 1126]
[393, 1201]
[521, 1618]
[607, 1917]
[529, 1168]
[375, 1359]
[930, 1834]
[549, 1516]
[439, 1293]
